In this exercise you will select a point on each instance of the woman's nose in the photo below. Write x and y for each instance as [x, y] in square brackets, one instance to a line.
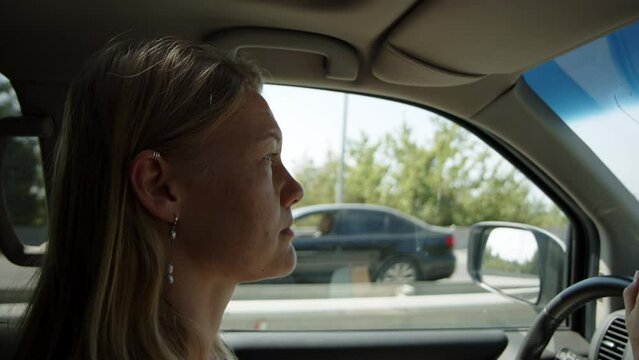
[292, 192]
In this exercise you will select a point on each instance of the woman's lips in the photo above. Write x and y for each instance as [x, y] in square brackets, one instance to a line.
[287, 232]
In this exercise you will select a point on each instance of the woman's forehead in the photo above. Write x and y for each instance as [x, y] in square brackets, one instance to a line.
[256, 118]
[252, 122]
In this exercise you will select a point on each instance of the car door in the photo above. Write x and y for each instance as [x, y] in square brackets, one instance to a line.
[404, 232]
[316, 244]
[363, 237]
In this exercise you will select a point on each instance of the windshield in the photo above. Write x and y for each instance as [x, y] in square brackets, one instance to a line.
[595, 90]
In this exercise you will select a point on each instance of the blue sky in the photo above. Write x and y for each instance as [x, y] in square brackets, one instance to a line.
[595, 90]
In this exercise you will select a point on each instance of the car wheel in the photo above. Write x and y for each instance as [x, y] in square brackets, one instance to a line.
[398, 271]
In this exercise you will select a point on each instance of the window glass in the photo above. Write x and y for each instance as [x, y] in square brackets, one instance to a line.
[24, 199]
[361, 222]
[400, 226]
[317, 224]
[595, 90]
[383, 271]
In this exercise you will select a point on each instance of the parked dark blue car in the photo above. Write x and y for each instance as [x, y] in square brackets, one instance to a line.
[389, 246]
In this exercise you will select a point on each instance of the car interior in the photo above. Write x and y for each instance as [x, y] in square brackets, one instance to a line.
[463, 60]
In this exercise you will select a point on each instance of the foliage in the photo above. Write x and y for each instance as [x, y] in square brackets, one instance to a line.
[319, 181]
[492, 263]
[450, 179]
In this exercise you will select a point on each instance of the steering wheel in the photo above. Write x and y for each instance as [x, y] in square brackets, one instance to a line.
[562, 305]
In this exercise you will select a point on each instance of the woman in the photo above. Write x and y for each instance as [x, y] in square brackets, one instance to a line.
[168, 191]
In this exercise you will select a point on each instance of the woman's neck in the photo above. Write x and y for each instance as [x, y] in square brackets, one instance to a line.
[201, 301]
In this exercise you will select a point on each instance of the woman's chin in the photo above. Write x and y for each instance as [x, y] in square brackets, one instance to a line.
[288, 263]
[292, 260]
[281, 267]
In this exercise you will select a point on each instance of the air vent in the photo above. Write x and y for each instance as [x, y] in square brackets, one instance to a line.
[613, 344]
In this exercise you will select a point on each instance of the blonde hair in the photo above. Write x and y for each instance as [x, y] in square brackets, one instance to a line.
[100, 289]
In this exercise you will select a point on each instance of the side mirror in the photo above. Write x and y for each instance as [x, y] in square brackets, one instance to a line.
[518, 261]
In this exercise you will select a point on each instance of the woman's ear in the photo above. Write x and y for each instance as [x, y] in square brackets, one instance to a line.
[150, 178]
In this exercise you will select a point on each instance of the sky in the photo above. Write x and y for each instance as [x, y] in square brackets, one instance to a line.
[302, 111]
[609, 80]
[512, 244]
[613, 136]
[595, 90]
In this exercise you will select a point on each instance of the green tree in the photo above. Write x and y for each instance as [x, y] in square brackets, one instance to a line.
[493, 263]
[431, 182]
[364, 176]
[449, 179]
[318, 181]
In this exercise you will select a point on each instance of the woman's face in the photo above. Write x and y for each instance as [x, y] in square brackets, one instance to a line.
[236, 212]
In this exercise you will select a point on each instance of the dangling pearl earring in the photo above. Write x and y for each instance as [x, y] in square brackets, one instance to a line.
[172, 236]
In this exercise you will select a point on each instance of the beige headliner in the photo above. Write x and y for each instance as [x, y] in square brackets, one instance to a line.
[491, 41]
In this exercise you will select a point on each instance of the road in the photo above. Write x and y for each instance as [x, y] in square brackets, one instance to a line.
[461, 272]
[393, 312]
[449, 303]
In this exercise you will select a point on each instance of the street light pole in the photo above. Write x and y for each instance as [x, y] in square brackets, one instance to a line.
[339, 186]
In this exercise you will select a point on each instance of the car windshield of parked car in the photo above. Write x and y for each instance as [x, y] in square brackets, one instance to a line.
[595, 90]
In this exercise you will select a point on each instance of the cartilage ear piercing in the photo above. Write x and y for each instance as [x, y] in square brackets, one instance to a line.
[155, 156]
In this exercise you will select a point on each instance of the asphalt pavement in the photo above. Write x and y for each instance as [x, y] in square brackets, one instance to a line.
[448, 303]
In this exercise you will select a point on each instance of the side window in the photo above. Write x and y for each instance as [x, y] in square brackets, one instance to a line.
[415, 180]
[354, 222]
[24, 198]
[316, 224]
[398, 225]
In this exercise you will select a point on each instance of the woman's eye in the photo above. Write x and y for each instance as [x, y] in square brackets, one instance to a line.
[272, 157]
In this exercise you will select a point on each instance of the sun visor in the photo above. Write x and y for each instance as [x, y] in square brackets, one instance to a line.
[394, 66]
[448, 43]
